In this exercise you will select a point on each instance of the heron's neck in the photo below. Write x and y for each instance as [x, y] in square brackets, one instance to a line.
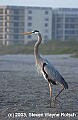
[36, 47]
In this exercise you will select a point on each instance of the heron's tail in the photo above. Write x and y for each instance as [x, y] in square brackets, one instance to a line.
[65, 83]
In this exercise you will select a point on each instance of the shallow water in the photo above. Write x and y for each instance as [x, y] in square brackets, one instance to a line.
[22, 90]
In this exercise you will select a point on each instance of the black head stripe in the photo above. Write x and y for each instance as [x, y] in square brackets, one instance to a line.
[35, 31]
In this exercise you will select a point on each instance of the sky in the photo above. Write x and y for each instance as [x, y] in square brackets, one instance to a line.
[42, 3]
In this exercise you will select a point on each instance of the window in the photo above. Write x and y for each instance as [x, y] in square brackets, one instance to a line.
[12, 24]
[72, 32]
[67, 20]
[16, 24]
[1, 30]
[16, 17]
[21, 18]
[46, 24]
[72, 26]
[7, 29]
[29, 36]
[1, 17]
[1, 36]
[59, 32]
[5, 23]
[1, 24]
[7, 36]
[66, 25]
[59, 19]
[16, 11]
[29, 18]
[72, 20]
[21, 30]
[21, 24]
[59, 25]
[76, 19]
[29, 24]
[16, 30]
[7, 18]
[76, 31]
[29, 11]
[46, 12]
[46, 19]
[5, 11]
[69, 31]
[21, 11]
[15, 36]
[1, 11]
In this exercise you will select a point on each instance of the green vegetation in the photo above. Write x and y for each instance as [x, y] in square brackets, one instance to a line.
[51, 47]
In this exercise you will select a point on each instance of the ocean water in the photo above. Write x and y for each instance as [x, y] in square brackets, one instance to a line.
[24, 94]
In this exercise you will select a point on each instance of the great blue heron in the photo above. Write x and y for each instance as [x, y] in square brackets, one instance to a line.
[46, 68]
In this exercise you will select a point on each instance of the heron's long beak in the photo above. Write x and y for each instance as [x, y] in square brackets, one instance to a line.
[26, 33]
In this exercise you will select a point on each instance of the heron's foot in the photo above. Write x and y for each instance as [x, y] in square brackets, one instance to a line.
[54, 99]
[50, 101]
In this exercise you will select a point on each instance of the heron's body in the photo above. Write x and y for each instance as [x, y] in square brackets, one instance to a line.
[46, 68]
[49, 68]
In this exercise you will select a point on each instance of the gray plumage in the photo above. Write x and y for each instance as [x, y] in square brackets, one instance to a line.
[54, 74]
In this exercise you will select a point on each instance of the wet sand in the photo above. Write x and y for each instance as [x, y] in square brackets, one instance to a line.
[22, 90]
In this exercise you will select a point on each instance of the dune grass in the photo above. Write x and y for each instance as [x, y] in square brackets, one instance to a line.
[51, 47]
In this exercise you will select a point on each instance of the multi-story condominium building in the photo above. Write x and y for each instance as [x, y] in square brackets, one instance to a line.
[65, 23]
[58, 23]
[11, 24]
[39, 18]
[17, 19]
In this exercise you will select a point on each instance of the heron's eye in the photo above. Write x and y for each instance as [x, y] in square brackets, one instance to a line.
[33, 32]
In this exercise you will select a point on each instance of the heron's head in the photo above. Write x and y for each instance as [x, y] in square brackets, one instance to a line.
[32, 32]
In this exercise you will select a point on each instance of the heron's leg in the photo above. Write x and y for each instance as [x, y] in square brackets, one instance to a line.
[50, 92]
[59, 93]
[50, 89]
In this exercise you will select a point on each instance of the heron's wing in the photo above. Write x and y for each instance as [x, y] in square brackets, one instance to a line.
[54, 74]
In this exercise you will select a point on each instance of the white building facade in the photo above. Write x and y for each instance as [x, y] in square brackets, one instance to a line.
[38, 18]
